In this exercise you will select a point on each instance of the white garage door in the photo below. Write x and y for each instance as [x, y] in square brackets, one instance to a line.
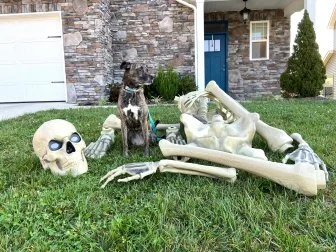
[31, 58]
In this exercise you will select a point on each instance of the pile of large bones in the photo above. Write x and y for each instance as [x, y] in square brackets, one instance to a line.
[225, 139]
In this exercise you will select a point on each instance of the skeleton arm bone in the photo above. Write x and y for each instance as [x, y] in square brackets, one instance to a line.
[141, 170]
[98, 149]
[174, 166]
[302, 177]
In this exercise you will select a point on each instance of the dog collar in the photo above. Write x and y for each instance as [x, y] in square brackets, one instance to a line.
[131, 90]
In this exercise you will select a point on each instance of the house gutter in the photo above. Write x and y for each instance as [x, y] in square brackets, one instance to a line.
[195, 35]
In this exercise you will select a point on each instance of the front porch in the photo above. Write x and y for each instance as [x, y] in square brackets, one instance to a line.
[253, 54]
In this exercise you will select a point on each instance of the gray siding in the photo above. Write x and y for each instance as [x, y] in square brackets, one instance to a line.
[331, 72]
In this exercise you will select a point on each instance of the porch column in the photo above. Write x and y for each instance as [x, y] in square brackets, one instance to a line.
[200, 78]
[310, 6]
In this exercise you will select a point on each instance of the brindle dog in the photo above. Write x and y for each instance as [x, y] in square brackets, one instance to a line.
[133, 108]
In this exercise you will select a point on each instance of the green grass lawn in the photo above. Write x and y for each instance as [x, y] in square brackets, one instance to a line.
[171, 212]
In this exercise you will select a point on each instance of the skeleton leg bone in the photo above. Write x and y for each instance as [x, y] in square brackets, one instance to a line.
[277, 139]
[301, 177]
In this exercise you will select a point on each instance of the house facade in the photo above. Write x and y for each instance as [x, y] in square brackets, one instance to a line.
[70, 50]
[330, 59]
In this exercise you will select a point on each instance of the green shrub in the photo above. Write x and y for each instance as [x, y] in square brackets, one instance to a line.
[305, 73]
[168, 83]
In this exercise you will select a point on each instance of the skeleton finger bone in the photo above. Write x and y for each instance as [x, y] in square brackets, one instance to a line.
[277, 139]
[110, 173]
[112, 176]
[128, 179]
[301, 177]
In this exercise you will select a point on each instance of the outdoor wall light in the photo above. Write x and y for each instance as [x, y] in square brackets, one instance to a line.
[245, 13]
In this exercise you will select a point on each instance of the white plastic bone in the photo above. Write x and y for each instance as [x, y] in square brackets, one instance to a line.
[174, 166]
[277, 139]
[301, 177]
[199, 108]
[305, 154]
[141, 170]
[99, 148]
[235, 137]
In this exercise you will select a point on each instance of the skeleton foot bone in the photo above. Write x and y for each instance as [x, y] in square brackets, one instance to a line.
[305, 154]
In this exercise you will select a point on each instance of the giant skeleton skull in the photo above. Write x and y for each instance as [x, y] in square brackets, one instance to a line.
[60, 148]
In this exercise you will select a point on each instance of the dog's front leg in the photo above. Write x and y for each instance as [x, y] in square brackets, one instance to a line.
[124, 137]
[145, 134]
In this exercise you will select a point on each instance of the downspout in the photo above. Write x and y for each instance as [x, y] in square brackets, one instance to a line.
[195, 35]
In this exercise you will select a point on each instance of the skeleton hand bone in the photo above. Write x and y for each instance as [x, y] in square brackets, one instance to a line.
[173, 135]
[136, 170]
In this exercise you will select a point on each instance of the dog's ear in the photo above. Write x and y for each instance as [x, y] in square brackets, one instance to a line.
[125, 65]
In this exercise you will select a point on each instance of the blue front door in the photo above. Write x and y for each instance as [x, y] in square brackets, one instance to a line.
[215, 49]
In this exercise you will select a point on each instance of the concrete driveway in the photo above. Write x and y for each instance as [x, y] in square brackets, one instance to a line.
[12, 110]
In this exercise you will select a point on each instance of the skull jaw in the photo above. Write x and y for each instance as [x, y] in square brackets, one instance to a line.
[73, 167]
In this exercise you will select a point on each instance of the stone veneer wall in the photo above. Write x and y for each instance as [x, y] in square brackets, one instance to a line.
[152, 33]
[87, 43]
[250, 79]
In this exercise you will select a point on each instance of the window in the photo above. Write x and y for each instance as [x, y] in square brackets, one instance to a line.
[259, 40]
[212, 45]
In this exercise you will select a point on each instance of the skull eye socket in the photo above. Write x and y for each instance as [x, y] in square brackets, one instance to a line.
[75, 138]
[55, 145]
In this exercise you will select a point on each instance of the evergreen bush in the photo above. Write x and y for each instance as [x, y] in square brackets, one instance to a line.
[167, 83]
[305, 73]
[187, 84]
